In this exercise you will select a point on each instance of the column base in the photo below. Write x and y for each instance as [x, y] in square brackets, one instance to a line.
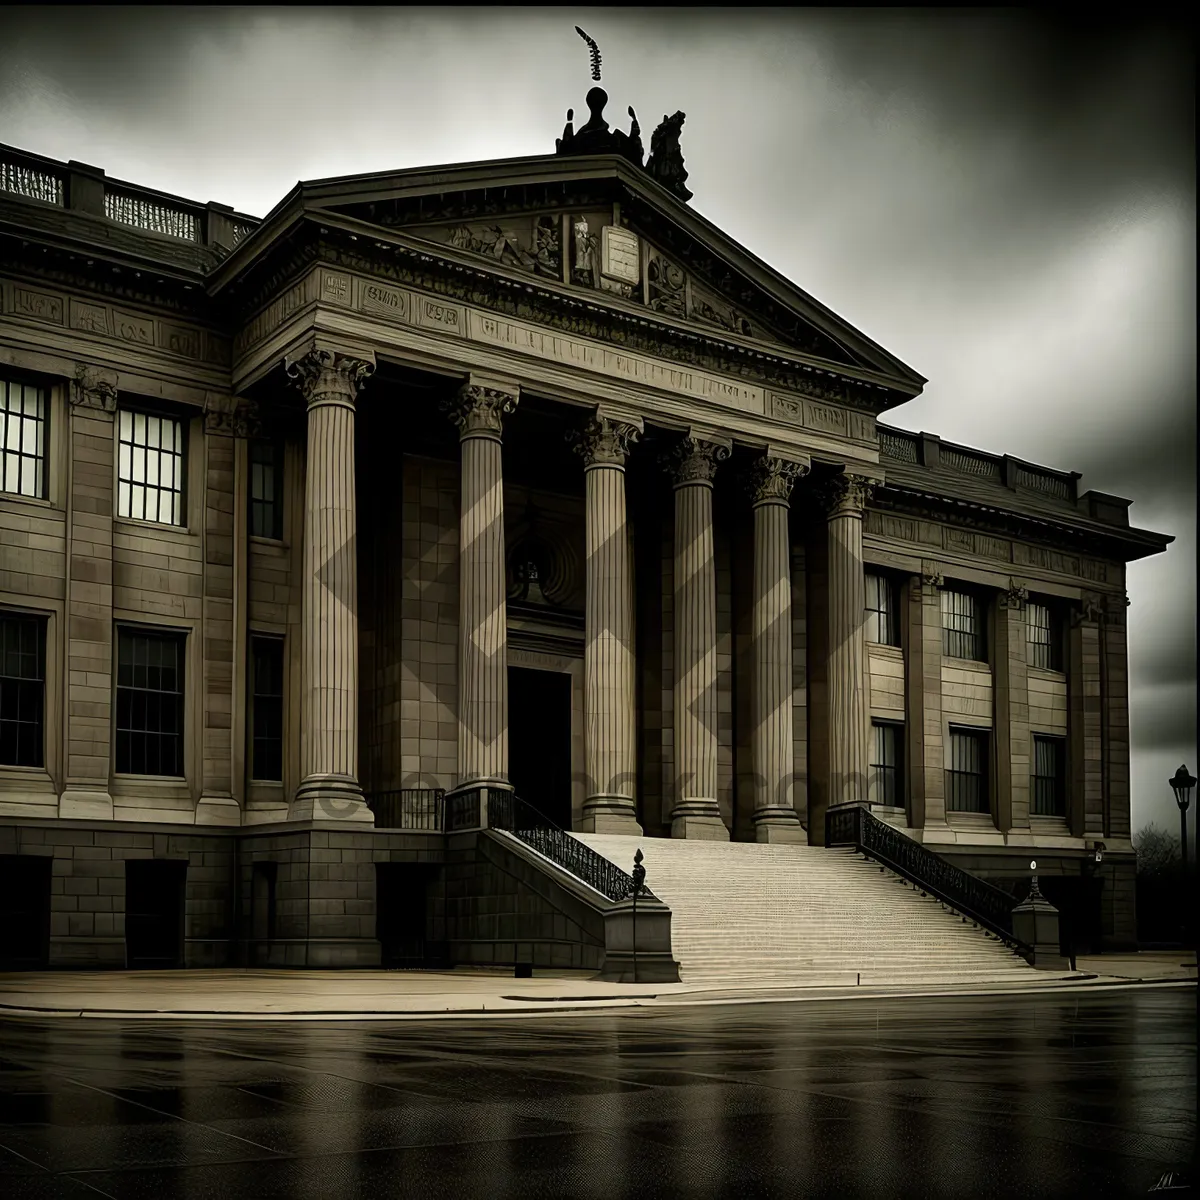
[700, 820]
[610, 814]
[779, 827]
[85, 805]
[330, 798]
[218, 810]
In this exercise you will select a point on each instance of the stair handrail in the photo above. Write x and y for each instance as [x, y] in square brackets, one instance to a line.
[988, 906]
[508, 812]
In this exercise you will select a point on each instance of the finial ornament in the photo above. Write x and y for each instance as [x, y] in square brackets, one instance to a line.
[594, 51]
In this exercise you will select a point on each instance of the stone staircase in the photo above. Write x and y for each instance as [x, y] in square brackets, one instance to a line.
[743, 911]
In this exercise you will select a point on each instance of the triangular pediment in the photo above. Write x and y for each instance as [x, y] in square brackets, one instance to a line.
[598, 227]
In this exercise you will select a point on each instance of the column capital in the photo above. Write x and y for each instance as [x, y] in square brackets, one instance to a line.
[604, 441]
[694, 459]
[846, 495]
[772, 478]
[326, 377]
[231, 416]
[479, 410]
[1087, 610]
[94, 387]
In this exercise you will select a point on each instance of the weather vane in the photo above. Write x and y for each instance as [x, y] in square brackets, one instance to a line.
[594, 50]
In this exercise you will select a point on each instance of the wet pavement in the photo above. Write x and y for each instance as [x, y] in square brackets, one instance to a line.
[1091, 1093]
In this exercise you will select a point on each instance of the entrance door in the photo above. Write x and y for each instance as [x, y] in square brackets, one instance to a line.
[24, 911]
[402, 915]
[539, 740]
[154, 890]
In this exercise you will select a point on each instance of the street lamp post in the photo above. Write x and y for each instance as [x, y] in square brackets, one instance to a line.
[1182, 784]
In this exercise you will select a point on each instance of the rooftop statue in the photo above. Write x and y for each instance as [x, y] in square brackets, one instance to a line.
[666, 158]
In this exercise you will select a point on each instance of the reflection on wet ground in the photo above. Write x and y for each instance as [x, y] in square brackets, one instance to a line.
[983, 1096]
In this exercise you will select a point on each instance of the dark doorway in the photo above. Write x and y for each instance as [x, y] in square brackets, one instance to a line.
[402, 916]
[539, 740]
[1077, 899]
[24, 911]
[262, 902]
[154, 897]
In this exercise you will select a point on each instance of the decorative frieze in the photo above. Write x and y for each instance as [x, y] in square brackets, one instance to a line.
[479, 411]
[604, 441]
[771, 479]
[95, 388]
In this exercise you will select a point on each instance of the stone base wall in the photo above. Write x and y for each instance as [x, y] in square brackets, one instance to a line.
[500, 910]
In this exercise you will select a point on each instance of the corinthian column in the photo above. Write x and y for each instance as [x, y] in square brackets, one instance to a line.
[608, 657]
[849, 699]
[775, 818]
[693, 464]
[478, 411]
[329, 787]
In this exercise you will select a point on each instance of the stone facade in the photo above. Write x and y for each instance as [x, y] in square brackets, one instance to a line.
[479, 455]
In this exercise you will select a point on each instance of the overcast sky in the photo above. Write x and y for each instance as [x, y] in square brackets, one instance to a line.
[1006, 204]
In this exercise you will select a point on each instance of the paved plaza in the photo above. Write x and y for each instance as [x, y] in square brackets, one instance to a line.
[1087, 1092]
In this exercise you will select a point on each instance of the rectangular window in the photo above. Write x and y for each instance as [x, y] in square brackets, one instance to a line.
[266, 489]
[963, 634]
[967, 776]
[1043, 637]
[22, 690]
[886, 784]
[22, 439]
[266, 708]
[883, 611]
[149, 702]
[1049, 777]
[149, 467]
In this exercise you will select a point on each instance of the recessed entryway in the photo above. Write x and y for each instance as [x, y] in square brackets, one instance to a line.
[154, 900]
[539, 740]
[24, 911]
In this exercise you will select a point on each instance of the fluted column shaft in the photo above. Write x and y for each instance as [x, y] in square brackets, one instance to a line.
[775, 818]
[608, 663]
[329, 787]
[696, 813]
[478, 412]
[849, 698]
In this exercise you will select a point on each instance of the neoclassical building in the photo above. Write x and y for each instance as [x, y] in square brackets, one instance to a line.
[324, 533]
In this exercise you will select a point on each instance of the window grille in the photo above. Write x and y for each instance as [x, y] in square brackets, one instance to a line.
[967, 777]
[266, 709]
[266, 489]
[963, 626]
[883, 615]
[1049, 777]
[150, 467]
[149, 703]
[22, 439]
[1043, 638]
[22, 690]
[886, 784]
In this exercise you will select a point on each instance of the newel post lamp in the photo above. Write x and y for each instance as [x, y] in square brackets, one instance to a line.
[1182, 784]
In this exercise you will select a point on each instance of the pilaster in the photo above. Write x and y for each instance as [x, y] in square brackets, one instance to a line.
[609, 663]
[693, 463]
[775, 817]
[89, 619]
[1012, 712]
[1084, 712]
[329, 787]
[923, 713]
[478, 410]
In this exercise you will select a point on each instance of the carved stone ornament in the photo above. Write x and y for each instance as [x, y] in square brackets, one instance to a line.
[694, 460]
[232, 416]
[933, 579]
[847, 495]
[479, 411]
[1115, 609]
[1087, 611]
[325, 377]
[1014, 596]
[666, 159]
[604, 441]
[94, 388]
[772, 479]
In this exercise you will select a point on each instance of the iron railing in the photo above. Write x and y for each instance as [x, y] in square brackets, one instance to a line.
[408, 808]
[509, 812]
[974, 898]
